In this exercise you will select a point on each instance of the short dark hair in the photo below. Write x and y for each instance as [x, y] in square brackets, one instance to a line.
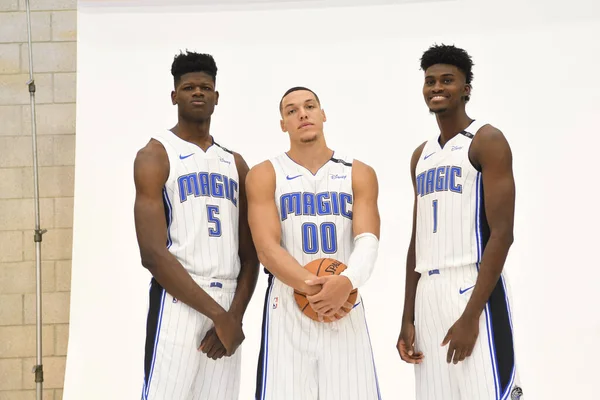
[187, 62]
[451, 55]
[294, 89]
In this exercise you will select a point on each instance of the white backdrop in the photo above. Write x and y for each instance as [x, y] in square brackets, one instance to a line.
[535, 79]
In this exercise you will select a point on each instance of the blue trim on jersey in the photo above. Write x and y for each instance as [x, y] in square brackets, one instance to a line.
[500, 393]
[265, 360]
[144, 397]
[303, 167]
[506, 394]
[488, 322]
[478, 202]
[168, 215]
[371, 348]
[162, 306]
[492, 345]
[144, 385]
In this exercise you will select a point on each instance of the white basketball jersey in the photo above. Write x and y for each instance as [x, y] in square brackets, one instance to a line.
[201, 199]
[315, 211]
[451, 224]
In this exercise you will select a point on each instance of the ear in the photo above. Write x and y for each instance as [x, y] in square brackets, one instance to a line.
[174, 97]
[283, 127]
[324, 116]
[467, 90]
[216, 98]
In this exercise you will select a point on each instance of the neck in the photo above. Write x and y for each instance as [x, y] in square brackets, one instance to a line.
[312, 155]
[451, 124]
[197, 132]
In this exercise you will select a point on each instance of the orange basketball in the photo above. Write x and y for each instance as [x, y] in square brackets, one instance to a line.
[322, 267]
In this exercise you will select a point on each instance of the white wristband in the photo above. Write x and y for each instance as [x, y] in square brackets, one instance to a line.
[362, 260]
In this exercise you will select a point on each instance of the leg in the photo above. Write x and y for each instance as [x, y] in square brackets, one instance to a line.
[433, 318]
[346, 364]
[287, 361]
[171, 358]
[217, 379]
[490, 373]
[175, 368]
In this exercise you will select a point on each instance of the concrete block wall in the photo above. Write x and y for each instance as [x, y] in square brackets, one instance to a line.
[54, 35]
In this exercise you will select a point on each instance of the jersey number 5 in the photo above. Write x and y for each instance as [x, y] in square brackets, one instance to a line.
[311, 235]
[212, 216]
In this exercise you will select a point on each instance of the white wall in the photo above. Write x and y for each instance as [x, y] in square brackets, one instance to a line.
[535, 79]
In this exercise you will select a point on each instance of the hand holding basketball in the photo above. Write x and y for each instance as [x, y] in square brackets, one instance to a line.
[333, 295]
[336, 297]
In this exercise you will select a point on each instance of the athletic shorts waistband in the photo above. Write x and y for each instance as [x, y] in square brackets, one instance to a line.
[215, 283]
[445, 270]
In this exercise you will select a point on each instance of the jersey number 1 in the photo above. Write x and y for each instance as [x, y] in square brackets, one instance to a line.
[435, 215]
[310, 238]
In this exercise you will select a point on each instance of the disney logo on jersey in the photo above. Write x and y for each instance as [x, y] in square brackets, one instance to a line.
[207, 184]
[224, 160]
[336, 176]
[439, 179]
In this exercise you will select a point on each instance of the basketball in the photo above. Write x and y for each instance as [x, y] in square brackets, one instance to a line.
[322, 267]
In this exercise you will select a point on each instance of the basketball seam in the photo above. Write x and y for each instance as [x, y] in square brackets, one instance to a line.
[321, 263]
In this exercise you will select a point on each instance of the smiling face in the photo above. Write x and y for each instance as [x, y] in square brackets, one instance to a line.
[445, 88]
[195, 96]
[302, 116]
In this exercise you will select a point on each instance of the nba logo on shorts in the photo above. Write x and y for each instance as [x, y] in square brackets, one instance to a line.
[275, 302]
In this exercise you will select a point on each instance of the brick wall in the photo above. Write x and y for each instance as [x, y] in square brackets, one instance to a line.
[54, 54]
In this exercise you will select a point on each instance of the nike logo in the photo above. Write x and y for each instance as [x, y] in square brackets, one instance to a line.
[461, 291]
[427, 156]
[289, 178]
[182, 157]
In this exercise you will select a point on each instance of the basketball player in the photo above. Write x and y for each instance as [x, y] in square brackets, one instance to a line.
[192, 230]
[306, 204]
[457, 325]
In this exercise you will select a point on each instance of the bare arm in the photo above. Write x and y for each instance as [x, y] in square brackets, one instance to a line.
[248, 258]
[491, 152]
[412, 276]
[365, 212]
[266, 230]
[406, 339]
[151, 170]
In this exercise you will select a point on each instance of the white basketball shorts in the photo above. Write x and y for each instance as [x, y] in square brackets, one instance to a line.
[302, 359]
[174, 367]
[490, 372]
